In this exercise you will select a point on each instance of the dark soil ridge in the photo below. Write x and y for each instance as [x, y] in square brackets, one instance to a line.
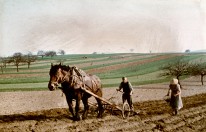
[154, 116]
[147, 108]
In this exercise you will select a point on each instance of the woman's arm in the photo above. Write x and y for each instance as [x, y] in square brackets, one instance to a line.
[178, 90]
[168, 93]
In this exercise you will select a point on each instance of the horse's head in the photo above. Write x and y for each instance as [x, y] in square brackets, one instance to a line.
[57, 76]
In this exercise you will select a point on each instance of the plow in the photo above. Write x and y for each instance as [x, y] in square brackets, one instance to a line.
[111, 107]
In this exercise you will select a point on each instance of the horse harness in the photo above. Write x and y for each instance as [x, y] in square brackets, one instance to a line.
[72, 77]
[77, 78]
[80, 77]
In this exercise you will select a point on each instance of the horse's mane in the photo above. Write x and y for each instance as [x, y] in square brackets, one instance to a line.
[54, 68]
[65, 68]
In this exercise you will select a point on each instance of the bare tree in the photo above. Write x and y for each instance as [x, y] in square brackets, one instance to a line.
[51, 53]
[29, 58]
[131, 50]
[41, 53]
[187, 51]
[1, 64]
[61, 52]
[198, 70]
[17, 58]
[176, 69]
[6, 60]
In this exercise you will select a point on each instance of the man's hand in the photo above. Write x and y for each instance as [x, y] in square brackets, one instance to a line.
[131, 93]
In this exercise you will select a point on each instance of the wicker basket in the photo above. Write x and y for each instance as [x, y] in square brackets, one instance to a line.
[166, 98]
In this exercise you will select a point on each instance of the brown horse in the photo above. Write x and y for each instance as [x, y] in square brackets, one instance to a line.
[72, 81]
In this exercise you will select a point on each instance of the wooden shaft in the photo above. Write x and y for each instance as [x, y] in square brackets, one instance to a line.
[103, 99]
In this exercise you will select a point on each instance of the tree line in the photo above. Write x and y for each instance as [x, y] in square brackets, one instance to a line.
[50, 53]
[181, 68]
[19, 58]
[16, 59]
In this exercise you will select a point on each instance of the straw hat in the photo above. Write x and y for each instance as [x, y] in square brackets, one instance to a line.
[174, 81]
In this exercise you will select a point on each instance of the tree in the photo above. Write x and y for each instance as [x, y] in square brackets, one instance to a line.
[61, 52]
[6, 60]
[94, 53]
[17, 58]
[1, 64]
[187, 51]
[41, 53]
[198, 70]
[29, 58]
[131, 50]
[176, 69]
[51, 53]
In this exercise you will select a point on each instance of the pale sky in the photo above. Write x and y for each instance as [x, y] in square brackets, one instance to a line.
[104, 26]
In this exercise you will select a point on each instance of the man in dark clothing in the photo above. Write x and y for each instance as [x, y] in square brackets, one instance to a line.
[127, 91]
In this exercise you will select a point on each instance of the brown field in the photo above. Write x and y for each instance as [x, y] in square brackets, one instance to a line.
[47, 111]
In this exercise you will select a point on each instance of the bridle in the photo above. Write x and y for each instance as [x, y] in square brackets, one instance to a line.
[62, 80]
[72, 77]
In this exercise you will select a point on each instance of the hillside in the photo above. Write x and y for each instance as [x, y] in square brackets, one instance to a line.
[139, 68]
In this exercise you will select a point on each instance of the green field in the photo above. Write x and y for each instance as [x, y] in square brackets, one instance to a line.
[139, 68]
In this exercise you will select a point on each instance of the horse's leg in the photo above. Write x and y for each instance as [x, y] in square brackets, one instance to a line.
[100, 105]
[78, 99]
[100, 108]
[69, 102]
[86, 106]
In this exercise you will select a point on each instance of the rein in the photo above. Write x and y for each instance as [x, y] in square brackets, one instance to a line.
[63, 79]
[74, 77]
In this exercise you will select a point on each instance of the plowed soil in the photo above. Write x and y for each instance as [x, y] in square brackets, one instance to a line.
[154, 113]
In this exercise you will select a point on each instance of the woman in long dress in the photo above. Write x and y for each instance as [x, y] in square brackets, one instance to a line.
[175, 100]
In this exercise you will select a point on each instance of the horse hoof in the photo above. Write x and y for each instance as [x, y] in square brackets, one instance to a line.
[77, 118]
[84, 117]
[99, 116]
